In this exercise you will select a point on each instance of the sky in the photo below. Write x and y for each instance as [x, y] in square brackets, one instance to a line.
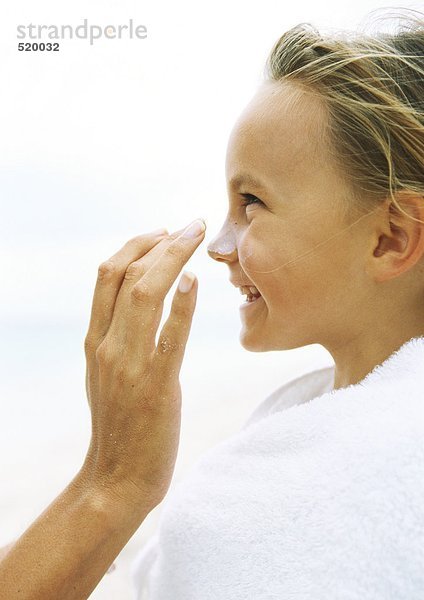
[101, 142]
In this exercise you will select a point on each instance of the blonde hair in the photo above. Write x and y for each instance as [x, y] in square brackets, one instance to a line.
[373, 89]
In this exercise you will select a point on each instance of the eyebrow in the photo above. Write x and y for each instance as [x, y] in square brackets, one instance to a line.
[245, 178]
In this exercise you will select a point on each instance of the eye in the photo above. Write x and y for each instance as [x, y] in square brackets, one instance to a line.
[250, 199]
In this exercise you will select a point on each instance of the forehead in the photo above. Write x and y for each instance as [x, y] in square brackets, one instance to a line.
[278, 137]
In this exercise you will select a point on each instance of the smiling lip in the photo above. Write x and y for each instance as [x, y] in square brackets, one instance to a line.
[240, 283]
[246, 288]
[247, 306]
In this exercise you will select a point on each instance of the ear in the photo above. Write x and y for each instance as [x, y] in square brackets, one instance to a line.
[400, 243]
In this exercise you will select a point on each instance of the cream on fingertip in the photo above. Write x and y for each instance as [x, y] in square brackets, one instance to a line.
[186, 282]
[194, 229]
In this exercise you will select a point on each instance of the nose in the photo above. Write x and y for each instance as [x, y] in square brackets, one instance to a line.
[223, 247]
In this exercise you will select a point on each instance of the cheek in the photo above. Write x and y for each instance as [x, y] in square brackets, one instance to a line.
[253, 251]
[281, 262]
[262, 249]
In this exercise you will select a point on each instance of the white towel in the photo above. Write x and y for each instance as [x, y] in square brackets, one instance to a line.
[320, 496]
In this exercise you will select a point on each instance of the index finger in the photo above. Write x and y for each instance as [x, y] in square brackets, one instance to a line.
[109, 280]
[150, 290]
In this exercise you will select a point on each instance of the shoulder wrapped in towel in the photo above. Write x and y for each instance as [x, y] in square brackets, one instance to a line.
[320, 496]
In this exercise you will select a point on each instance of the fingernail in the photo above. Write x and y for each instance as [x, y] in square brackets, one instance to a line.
[194, 229]
[186, 282]
[159, 231]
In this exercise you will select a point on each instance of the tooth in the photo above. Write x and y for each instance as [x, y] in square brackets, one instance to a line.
[253, 289]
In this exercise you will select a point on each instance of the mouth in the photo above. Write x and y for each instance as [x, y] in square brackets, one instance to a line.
[251, 292]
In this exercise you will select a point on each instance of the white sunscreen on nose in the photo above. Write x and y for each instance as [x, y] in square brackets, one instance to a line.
[224, 243]
[224, 246]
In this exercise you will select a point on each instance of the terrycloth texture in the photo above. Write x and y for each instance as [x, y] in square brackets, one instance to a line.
[320, 496]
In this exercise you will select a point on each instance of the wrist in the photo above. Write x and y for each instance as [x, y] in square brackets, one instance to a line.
[119, 501]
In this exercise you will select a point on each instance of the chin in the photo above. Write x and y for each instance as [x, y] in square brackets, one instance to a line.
[253, 342]
[257, 342]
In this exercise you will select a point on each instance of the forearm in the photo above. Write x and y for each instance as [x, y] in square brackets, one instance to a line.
[68, 549]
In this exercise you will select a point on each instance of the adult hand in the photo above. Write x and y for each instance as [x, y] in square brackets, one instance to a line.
[132, 382]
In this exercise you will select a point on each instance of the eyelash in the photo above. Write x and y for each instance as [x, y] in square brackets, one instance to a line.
[248, 200]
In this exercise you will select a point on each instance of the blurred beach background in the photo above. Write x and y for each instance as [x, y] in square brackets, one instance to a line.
[100, 143]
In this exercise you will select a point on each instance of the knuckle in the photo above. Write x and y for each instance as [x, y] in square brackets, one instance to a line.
[104, 354]
[141, 293]
[136, 240]
[106, 269]
[141, 237]
[167, 345]
[132, 271]
[89, 345]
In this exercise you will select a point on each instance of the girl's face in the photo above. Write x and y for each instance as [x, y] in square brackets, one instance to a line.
[292, 241]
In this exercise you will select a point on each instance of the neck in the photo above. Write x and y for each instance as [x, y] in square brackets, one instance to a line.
[355, 359]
